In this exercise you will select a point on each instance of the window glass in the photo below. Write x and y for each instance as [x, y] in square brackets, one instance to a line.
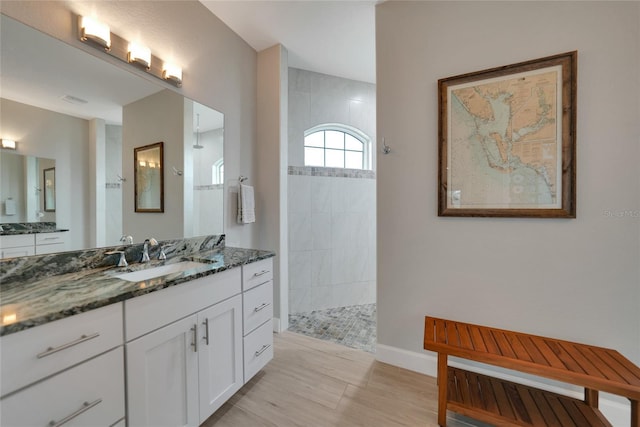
[314, 140]
[353, 160]
[352, 143]
[334, 139]
[336, 146]
[313, 156]
[334, 158]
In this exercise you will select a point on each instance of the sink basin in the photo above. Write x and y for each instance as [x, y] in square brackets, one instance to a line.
[163, 270]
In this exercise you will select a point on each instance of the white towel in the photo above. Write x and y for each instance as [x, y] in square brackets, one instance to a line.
[246, 204]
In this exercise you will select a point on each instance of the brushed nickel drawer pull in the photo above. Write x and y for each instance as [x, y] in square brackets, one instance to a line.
[206, 330]
[85, 407]
[262, 350]
[51, 238]
[263, 272]
[261, 307]
[52, 350]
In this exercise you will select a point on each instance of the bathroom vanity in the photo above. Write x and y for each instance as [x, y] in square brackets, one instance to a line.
[75, 347]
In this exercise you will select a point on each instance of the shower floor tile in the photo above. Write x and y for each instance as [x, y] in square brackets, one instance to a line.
[353, 326]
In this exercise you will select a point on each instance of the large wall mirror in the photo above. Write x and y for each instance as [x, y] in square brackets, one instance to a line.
[66, 105]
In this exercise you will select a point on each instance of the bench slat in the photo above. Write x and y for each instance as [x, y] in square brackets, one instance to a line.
[478, 340]
[505, 403]
[584, 363]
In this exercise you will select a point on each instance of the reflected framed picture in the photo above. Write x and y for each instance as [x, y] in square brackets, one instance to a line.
[149, 178]
[49, 189]
[507, 140]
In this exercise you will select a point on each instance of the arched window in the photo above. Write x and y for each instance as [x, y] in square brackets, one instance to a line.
[336, 145]
[217, 172]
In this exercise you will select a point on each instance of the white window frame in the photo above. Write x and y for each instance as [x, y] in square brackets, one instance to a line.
[346, 129]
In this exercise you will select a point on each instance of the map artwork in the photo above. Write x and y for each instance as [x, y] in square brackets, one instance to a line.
[505, 141]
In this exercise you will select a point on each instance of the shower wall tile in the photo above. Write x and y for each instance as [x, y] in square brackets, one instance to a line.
[300, 269]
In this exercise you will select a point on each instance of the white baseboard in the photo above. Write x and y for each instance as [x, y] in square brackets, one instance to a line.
[617, 413]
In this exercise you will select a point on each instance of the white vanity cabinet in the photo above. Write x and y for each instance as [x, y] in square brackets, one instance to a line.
[12, 246]
[48, 243]
[184, 350]
[257, 287]
[17, 245]
[70, 370]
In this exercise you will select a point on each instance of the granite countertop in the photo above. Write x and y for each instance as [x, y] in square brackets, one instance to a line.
[45, 299]
[18, 228]
[20, 232]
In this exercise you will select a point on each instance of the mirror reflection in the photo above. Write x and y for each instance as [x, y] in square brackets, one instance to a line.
[149, 178]
[23, 188]
[66, 105]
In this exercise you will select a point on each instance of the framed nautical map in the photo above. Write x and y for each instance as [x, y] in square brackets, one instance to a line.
[507, 140]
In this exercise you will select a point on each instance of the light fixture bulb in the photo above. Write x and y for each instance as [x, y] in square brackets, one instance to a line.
[172, 72]
[9, 144]
[139, 54]
[90, 29]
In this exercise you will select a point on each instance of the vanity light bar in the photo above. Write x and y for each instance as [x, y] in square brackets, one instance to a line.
[99, 33]
[130, 52]
[139, 54]
[9, 144]
[172, 72]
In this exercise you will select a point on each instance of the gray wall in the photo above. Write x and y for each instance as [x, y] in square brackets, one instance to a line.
[577, 279]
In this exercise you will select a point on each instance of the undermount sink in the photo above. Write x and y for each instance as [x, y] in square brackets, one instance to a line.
[163, 270]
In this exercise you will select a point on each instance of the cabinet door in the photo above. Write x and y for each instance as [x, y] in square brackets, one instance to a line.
[220, 354]
[162, 376]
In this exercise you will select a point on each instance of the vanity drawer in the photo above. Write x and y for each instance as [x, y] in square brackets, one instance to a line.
[16, 241]
[258, 350]
[257, 273]
[149, 312]
[51, 238]
[98, 382]
[35, 353]
[257, 306]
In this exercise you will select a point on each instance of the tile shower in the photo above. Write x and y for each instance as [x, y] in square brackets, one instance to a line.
[331, 212]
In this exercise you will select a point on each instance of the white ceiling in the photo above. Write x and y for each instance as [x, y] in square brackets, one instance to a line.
[329, 37]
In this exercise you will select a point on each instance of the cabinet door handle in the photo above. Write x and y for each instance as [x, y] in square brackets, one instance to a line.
[52, 350]
[85, 407]
[206, 330]
[261, 307]
[262, 350]
[51, 238]
[263, 272]
[194, 344]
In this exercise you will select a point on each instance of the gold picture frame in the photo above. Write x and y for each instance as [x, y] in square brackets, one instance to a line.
[149, 178]
[507, 140]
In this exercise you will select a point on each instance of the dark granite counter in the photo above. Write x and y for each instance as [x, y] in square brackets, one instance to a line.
[17, 228]
[29, 299]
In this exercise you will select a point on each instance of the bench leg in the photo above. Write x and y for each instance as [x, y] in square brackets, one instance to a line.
[635, 414]
[443, 378]
[591, 397]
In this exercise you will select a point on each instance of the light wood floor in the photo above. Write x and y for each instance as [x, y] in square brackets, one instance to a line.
[316, 383]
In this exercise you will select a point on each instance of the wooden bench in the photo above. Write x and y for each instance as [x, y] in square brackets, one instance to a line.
[504, 403]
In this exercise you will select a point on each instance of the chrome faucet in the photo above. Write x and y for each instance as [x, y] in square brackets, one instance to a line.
[145, 248]
[122, 262]
[127, 240]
